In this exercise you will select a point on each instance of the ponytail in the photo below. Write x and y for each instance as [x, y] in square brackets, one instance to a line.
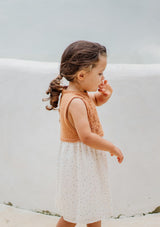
[54, 91]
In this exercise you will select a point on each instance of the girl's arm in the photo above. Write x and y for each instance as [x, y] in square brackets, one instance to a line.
[78, 111]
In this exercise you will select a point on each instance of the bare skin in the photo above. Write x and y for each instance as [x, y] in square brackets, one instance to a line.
[63, 223]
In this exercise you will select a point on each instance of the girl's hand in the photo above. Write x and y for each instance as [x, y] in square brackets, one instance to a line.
[117, 152]
[105, 88]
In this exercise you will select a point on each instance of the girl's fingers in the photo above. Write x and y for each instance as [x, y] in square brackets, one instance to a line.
[103, 91]
[103, 83]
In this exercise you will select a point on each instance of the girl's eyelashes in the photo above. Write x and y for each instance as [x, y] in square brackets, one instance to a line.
[100, 74]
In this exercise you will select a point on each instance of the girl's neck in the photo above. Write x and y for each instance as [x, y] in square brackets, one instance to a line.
[72, 87]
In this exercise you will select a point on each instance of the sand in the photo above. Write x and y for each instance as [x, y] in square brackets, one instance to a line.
[16, 217]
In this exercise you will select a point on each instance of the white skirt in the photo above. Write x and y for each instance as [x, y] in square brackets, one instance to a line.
[82, 184]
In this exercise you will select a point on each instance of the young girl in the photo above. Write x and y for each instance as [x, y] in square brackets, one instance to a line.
[82, 190]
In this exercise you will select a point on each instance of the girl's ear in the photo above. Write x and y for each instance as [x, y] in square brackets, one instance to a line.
[81, 75]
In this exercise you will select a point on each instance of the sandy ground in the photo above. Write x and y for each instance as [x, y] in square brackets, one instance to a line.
[15, 217]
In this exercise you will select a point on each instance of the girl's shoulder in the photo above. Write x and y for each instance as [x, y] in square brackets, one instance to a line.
[68, 95]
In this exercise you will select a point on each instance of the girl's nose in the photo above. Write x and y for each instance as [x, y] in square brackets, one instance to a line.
[102, 77]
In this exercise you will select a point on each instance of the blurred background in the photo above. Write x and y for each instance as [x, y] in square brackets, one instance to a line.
[40, 30]
[33, 37]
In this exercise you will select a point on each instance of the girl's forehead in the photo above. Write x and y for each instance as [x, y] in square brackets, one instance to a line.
[102, 63]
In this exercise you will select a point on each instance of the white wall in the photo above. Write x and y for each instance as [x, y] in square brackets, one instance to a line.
[29, 135]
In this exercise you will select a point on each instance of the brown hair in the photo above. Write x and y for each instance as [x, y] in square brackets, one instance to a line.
[77, 56]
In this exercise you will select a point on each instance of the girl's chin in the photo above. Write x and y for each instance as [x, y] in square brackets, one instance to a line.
[93, 90]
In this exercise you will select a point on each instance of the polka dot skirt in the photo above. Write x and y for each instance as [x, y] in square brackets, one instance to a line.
[82, 184]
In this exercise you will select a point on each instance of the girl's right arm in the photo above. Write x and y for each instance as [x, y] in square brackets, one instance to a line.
[78, 111]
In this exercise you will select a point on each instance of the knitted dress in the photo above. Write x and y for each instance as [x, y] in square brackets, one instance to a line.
[82, 184]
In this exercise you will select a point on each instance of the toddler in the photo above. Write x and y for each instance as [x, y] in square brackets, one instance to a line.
[82, 189]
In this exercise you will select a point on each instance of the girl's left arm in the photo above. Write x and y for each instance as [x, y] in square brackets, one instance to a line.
[103, 94]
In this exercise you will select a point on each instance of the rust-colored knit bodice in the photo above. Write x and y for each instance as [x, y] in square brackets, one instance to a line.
[67, 132]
